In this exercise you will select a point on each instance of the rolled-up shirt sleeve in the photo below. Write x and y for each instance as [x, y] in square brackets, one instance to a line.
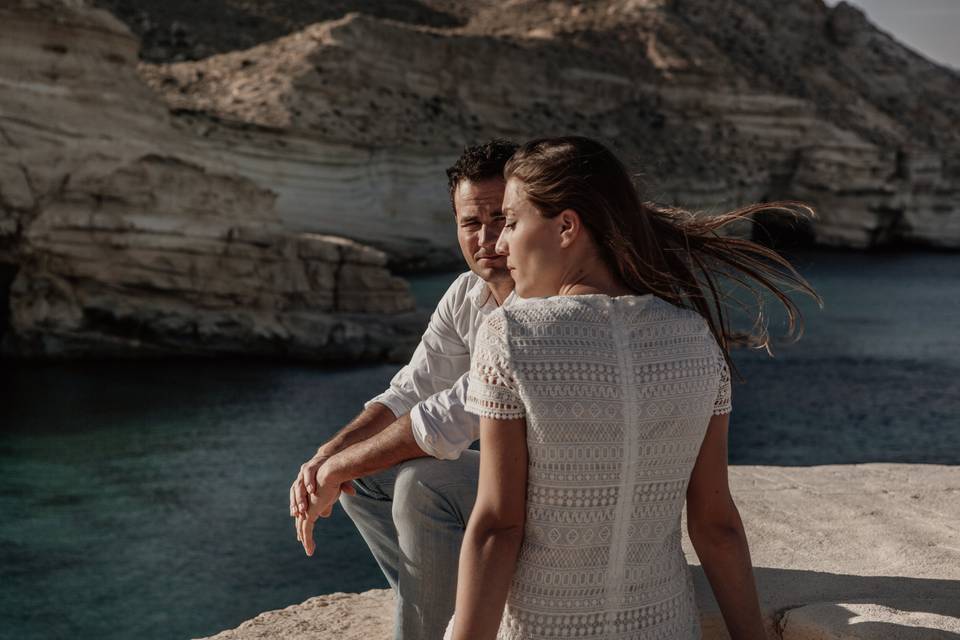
[441, 425]
[439, 360]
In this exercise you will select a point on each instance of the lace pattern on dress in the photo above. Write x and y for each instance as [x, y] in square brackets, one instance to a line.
[617, 394]
[492, 391]
[723, 404]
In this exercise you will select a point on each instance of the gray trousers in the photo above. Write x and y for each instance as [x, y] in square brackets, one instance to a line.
[413, 517]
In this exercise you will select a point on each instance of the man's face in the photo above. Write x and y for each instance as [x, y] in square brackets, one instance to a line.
[479, 222]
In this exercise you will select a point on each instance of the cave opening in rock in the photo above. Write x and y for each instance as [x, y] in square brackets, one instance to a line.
[7, 273]
[782, 232]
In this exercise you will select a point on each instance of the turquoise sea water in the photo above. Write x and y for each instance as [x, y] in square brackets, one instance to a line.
[150, 499]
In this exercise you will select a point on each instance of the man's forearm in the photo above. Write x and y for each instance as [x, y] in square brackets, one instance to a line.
[367, 424]
[386, 448]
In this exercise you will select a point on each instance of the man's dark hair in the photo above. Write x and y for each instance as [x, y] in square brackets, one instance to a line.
[480, 162]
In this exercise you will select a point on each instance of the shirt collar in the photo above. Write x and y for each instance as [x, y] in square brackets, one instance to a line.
[481, 296]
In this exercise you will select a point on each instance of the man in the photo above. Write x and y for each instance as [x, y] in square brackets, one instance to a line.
[414, 481]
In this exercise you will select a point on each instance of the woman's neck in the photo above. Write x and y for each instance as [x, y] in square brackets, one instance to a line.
[593, 278]
[579, 290]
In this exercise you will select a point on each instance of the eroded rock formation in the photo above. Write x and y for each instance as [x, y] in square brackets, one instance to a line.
[119, 236]
[719, 103]
[111, 194]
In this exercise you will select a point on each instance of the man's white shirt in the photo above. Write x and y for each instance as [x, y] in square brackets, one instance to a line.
[433, 385]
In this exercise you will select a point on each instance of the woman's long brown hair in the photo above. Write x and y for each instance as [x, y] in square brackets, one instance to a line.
[670, 252]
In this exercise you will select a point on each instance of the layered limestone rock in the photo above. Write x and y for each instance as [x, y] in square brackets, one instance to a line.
[840, 552]
[719, 104]
[350, 123]
[118, 236]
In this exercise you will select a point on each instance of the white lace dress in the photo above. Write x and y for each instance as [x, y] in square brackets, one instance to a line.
[617, 394]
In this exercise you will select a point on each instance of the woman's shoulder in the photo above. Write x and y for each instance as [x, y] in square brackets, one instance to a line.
[527, 311]
[662, 310]
[590, 309]
[685, 324]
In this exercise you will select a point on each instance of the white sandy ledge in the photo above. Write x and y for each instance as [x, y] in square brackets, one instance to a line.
[843, 552]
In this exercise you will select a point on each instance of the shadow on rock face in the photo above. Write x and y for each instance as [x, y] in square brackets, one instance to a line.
[866, 621]
[814, 604]
[7, 273]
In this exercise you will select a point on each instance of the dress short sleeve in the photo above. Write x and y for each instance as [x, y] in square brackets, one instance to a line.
[722, 404]
[492, 390]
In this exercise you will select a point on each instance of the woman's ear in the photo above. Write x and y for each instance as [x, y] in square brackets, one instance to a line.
[570, 227]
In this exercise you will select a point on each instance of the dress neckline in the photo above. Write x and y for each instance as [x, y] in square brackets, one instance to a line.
[628, 300]
[604, 295]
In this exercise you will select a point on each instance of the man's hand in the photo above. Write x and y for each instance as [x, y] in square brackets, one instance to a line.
[305, 485]
[321, 502]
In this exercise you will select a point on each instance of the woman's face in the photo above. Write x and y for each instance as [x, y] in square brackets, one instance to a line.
[532, 244]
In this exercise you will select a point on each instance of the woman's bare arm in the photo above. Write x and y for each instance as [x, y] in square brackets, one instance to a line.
[491, 545]
[716, 532]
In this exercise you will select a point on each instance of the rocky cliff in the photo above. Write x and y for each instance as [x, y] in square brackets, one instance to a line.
[167, 206]
[351, 120]
[120, 236]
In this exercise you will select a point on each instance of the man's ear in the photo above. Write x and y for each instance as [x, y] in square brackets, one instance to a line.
[570, 227]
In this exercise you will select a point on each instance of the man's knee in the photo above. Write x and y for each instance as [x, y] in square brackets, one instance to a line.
[435, 489]
[371, 504]
[350, 503]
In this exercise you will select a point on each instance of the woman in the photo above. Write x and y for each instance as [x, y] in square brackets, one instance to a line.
[604, 401]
